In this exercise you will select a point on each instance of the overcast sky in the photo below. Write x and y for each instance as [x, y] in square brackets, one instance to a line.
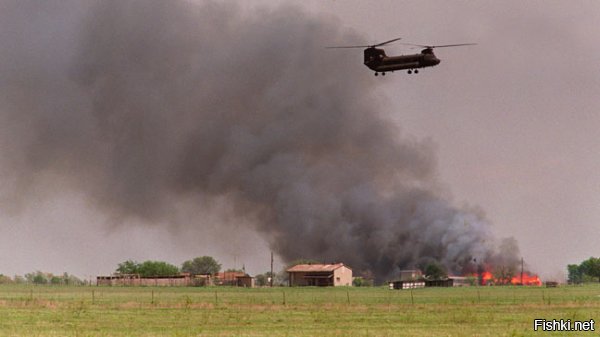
[513, 120]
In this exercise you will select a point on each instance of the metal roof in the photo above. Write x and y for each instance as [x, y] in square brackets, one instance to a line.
[309, 268]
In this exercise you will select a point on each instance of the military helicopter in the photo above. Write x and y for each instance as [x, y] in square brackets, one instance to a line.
[378, 61]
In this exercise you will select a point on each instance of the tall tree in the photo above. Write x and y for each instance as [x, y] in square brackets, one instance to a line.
[40, 278]
[147, 268]
[575, 274]
[591, 267]
[203, 265]
[435, 271]
[128, 267]
[157, 268]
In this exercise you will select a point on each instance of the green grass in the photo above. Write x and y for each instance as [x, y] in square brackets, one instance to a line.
[216, 311]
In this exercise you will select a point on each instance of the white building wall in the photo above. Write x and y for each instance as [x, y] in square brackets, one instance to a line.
[342, 276]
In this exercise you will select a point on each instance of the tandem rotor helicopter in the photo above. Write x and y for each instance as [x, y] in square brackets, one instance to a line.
[378, 61]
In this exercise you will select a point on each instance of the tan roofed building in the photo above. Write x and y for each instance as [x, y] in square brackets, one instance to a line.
[320, 275]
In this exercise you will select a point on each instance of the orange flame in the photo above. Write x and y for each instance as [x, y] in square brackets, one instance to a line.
[486, 277]
[528, 279]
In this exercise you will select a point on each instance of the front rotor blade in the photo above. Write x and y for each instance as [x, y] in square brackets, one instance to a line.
[386, 42]
[441, 46]
[338, 47]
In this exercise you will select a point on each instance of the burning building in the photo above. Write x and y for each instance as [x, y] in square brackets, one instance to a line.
[525, 278]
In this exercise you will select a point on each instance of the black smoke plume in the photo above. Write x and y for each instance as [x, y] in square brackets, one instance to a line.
[142, 105]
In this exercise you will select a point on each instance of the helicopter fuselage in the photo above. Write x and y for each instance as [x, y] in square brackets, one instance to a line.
[378, 61]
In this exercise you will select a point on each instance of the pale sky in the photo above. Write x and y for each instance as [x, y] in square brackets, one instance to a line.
[513, 120]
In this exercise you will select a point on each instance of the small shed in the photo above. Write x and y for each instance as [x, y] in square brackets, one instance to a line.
[462, 281]
[320, 275]
[245, 281]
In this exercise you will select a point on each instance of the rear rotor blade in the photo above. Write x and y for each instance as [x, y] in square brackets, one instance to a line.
[453, 45]
[440, 46]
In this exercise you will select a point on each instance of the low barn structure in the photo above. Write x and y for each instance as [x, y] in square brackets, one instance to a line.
[461, 281]
[412, 284]
[445, 283]
[182, 280]
[137, 280]
[320, 275]
[414, 278]
[422, 282]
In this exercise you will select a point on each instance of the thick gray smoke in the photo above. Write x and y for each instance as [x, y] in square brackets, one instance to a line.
[144, 104]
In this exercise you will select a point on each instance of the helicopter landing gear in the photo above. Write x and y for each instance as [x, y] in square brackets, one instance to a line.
[409, 71]
[416, 71]
[376, 73]
[382, 74]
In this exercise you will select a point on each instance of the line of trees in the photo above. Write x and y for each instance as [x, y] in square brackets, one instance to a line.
[147, 268]
[586, 271]
[202, 265]
[39, 278]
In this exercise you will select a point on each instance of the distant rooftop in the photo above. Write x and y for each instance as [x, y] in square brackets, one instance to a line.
[316, 267]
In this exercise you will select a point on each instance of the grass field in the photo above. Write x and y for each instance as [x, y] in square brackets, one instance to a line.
[217, 311]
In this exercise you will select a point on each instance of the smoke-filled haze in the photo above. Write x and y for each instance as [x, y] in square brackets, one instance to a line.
[168, 130]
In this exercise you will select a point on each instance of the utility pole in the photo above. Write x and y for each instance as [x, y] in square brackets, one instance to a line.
[521, 270]
[271, 276]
